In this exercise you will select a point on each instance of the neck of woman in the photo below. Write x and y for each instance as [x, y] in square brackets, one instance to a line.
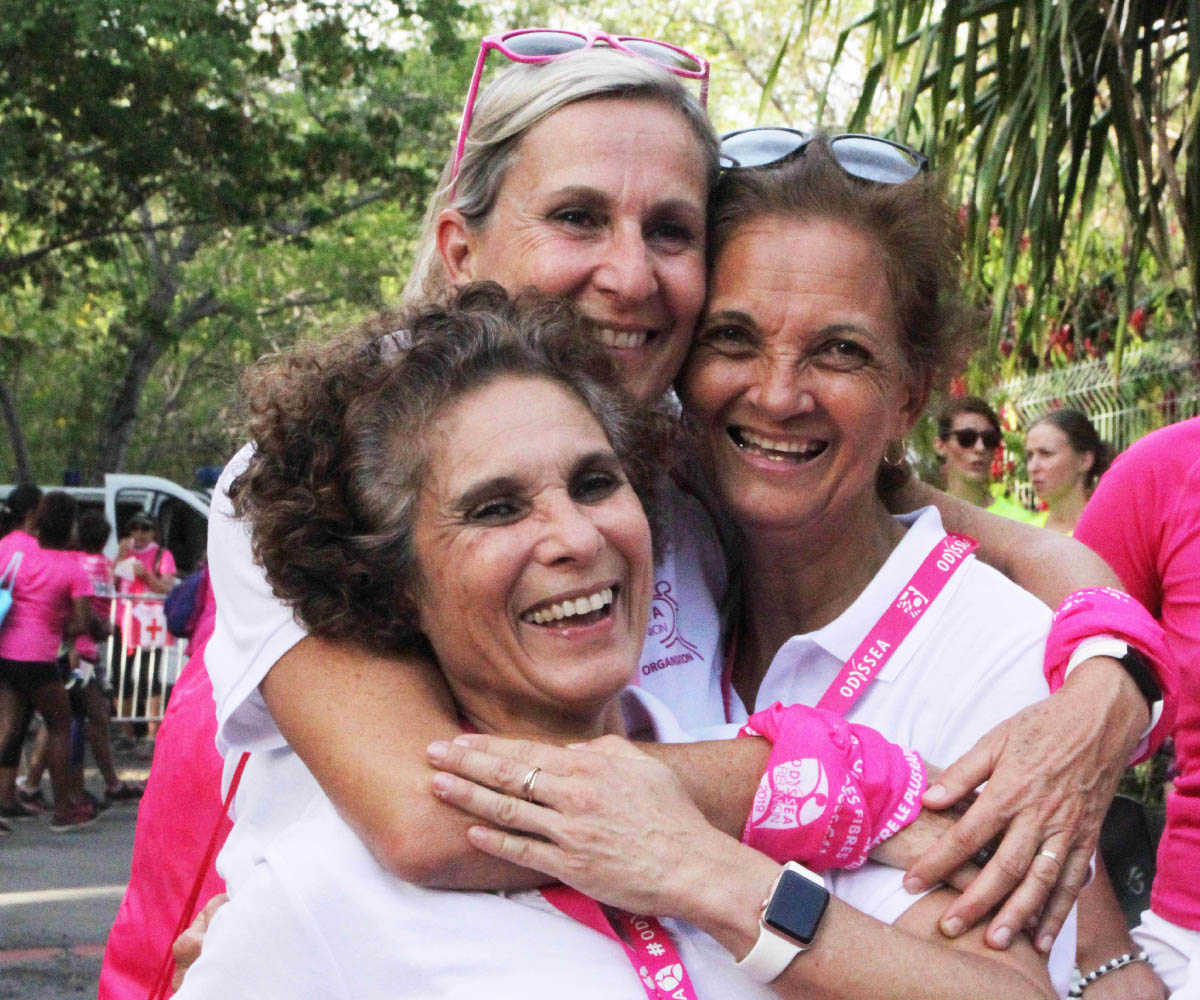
[976, 491]
[1065, 511]
[559, 728]
[800, 580]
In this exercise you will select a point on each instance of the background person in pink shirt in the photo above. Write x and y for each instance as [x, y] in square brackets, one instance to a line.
[1144, 519]
[50, 601]
[88, 657]
[17, 518]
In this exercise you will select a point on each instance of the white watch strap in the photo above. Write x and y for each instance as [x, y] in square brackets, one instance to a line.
[772, 952]
[770, 955]
[1108, 645]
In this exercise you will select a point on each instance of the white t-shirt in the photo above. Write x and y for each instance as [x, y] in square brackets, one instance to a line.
[317, 916]
[972, 660]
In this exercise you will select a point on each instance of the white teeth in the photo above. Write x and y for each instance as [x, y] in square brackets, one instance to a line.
[770, 444]
[570, 608]
[622, 339]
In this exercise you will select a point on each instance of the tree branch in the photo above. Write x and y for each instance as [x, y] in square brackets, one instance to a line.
[296, 303]
[291, 230]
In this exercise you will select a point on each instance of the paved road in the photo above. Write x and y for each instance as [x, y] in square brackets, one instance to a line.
[59, 894]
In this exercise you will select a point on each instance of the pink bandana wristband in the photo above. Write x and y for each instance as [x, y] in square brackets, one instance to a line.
[1104, 611]
[832, 790]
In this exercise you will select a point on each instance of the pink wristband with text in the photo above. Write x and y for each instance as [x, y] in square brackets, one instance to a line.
[1105, 611]
[832, 790]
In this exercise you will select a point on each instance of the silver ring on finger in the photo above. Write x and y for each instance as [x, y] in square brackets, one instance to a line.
[1044, 853]
[527, 784]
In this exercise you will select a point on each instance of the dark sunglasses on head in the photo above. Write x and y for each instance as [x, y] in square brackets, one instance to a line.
[865, 156]
[967, 437]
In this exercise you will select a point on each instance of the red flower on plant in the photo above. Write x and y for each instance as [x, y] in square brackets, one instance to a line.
[958, 386]
[1137, 320]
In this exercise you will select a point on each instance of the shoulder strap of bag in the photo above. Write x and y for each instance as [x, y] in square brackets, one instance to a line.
[163, 981]
[9, 576]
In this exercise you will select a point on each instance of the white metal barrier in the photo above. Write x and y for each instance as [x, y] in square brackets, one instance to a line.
[142, 660]
[1159, 385]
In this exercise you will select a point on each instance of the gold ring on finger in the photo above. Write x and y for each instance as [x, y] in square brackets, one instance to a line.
[527, 784]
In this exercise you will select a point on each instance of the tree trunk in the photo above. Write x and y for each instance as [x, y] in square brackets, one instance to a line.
[120, 417]
[22, 473]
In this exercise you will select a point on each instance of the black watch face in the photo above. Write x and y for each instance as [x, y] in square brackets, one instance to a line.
[796, 907]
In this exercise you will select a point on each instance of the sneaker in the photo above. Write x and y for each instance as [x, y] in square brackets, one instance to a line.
[33, 797]
[5, 828]
[97, 803]
[78, 816]
[124, 791]
[18, 810]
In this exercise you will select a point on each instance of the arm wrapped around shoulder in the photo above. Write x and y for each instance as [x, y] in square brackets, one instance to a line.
[832, 790]
[1104, 611]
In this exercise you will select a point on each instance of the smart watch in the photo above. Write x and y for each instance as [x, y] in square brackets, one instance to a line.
[1135, 666]
[791, 915]
[1132, 662]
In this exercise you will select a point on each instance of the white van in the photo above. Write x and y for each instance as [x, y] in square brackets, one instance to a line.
[181, 514]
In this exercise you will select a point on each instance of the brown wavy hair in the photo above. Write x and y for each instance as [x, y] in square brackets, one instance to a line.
[914, 226]
[341, 434]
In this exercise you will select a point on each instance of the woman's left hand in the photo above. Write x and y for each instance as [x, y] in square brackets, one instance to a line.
[1051, 772]
[604, 817]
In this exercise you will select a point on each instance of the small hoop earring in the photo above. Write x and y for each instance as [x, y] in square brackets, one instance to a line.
[897, 448]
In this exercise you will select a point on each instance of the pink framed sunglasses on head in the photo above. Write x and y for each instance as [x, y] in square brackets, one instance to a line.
[539, 45]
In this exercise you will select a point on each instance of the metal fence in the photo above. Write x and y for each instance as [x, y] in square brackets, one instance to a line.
[142, 660]
[1159, 384]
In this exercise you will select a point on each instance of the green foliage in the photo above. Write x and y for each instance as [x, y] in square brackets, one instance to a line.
[1047, 114]
[188, 184]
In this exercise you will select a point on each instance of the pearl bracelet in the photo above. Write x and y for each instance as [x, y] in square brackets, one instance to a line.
[1083, 982]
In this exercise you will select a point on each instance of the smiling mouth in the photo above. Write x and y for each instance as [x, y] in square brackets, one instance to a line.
[585, 610]
[777, 449]
[624, 340]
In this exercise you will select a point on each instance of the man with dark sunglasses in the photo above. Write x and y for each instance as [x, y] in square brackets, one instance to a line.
[968, 436]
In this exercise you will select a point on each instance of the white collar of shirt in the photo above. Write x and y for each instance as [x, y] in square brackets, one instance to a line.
[841, 637]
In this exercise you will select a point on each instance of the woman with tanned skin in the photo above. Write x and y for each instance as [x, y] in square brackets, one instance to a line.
[831, 303]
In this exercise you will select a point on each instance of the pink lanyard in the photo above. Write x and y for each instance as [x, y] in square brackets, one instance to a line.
[647, 944]
[896, 622]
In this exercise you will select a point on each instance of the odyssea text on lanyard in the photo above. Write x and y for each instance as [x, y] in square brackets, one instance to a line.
[896, 622]
[647, 944]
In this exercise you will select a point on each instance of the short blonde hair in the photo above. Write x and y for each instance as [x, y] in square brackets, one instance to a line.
[517, 100]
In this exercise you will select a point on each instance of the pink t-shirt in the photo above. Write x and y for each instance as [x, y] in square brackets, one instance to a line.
[147, 557]
[98, 567]
[205, 618]
[1144, 519]
[180, 811]
[16, 540]
[134, 616]
[47, 582]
